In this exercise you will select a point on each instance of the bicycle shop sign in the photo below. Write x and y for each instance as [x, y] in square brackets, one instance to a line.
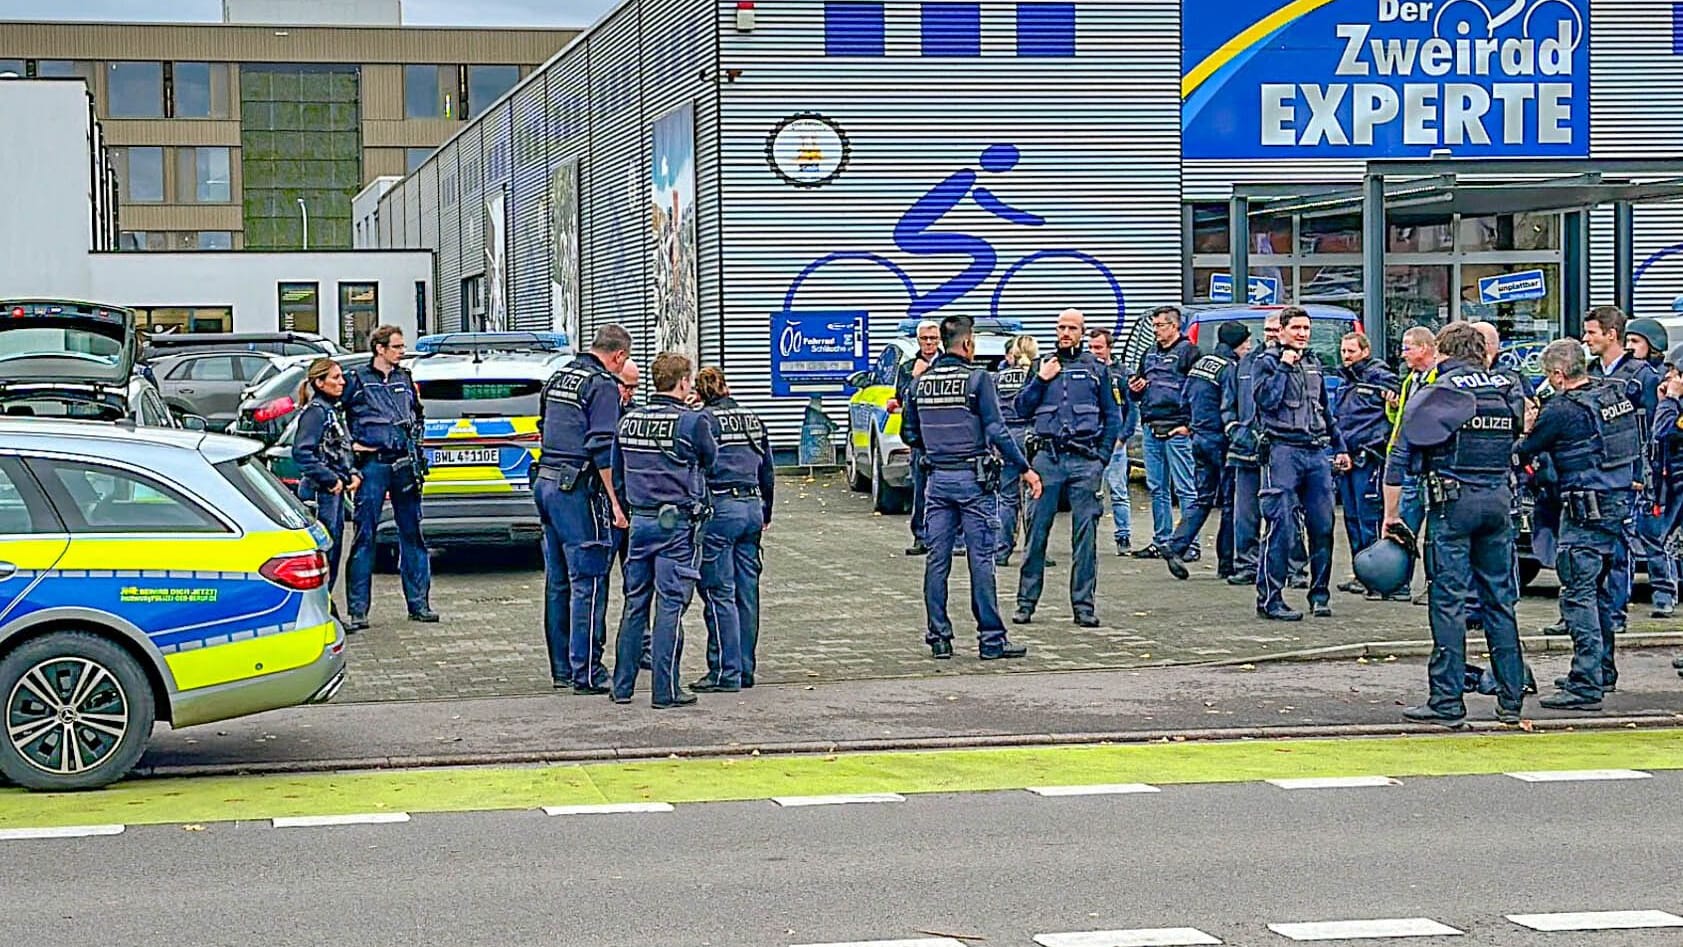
[1384, 78]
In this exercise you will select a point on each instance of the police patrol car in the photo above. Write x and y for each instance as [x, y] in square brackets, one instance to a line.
[878, 461]
[148, 574]
[481, 439]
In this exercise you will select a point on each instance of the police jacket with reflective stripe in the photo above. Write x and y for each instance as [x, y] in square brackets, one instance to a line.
[954, 416]
[1202, 391]
[579, 415]
[663, 454]
[744, 451]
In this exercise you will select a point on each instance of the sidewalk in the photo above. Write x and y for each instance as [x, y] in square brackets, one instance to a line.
[1287, 698]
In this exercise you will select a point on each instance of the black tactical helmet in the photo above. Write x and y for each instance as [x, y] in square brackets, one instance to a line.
[1651, 329]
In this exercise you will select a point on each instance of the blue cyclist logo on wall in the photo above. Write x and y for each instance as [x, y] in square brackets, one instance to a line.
[919, 233]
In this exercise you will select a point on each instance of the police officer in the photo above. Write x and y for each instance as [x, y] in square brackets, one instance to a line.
[1668, 451]
[322, 448]
[1020, 355]
[1359, 412]
[579, 506]
[1202, 394]
[1116, 473]
[1075, 426]
[1590, 430]
[1604, 336]
[928, 348]
[1458, 435]
[1156, 388]
[1238, 415]
[742, 485]
[665, 449]
[954, 417]
[383, 412]
[1296, 428]
[1647, 341]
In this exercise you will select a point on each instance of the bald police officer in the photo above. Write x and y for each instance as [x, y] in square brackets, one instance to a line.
[954, 418]
[1076, 423]
[1590, 431]
[1458, 435]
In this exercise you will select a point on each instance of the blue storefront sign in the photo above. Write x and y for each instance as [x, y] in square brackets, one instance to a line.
[1264, 290]
[1512, 287]
[812, 353]
[1384, 78]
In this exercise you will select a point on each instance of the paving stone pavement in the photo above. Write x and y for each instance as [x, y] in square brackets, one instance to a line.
[841, 601]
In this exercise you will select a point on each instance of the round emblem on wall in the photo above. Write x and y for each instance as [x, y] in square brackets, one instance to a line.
[808, 150]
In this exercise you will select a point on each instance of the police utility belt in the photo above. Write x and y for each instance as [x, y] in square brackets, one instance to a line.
[1581, 506]
[1057, 448]
[673, 515]
[737, 493]
[987, 468]
[567, 476]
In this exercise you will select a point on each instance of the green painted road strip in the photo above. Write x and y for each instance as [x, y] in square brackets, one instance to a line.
[220, 799]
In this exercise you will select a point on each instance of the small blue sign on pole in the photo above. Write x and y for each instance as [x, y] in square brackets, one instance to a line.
[1264, 290]
[1512, 287]
[813, 353]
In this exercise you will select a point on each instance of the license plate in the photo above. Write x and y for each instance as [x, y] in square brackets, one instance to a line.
[465, 457]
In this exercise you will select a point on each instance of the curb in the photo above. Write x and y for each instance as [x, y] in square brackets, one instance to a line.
[812, 747]
[1535, 644]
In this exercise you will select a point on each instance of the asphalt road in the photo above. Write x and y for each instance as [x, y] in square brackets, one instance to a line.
[1000, 868]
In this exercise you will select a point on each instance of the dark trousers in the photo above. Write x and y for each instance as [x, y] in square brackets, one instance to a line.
[1296, 487]
[920, 482]
[1076, 479]
[1209, 460]
[413, 565]
[1010, 501]
[1470, 550]
[957, 503]
[1358, 494]
[330, 513]
[662, 568]
[1225, 537]
[578, 551]
[730, 593]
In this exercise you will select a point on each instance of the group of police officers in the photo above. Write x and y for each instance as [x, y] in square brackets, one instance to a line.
[1449, 449]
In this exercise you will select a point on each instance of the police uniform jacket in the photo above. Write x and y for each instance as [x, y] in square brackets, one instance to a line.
[1478, 451]
[1359, 410]
[1238, 410]
[744, 462]
[1291, 402]
[1074, 409]
[579, 414]
[1008, 381]
[322, 447]
[1590, 433]
[1668, 439]
[662, 456]
[954, 417]
[1165, 368]
[380, 410]
[1201, 396]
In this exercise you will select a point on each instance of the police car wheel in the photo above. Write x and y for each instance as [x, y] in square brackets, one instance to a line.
[1528, 571]
[78, 709]
[856, 481]
[884, 498]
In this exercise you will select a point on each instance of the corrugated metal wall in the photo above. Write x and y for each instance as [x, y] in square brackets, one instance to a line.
[1097, 137]
[615, 181]
[528, 253]
[448, 289]
[496, 165]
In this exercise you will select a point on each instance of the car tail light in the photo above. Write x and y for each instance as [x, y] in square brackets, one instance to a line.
[301, 571]
[278, 408]
[894, 406]
[1192, 333]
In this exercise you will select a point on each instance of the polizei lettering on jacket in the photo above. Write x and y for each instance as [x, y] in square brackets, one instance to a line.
[942, 390]
[567, 387]
[739, 427]
[648, 432]
[1513, 85]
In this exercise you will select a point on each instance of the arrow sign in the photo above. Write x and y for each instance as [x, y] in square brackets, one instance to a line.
[1512, 287]
[1264, 290]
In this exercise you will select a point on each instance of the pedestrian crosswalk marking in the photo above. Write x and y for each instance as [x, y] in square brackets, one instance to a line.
[1334, 782]
[791, 802]
[920, 942]
[1365, 930]
[1575, 775]
[1103, 789]
[62, 831]
[317, 821]
[610, 809]
[1596, 921]
[1143, 937]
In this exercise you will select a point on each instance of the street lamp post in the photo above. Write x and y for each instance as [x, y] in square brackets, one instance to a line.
[305, 211]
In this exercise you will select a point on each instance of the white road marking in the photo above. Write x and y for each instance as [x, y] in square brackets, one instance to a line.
[364, 818]
[922, 942]
[1574, 775]
[1143, 937]
[1597, 920]
[1335, 782]
[63, 831]
[1369, 930]
[609, 809]
[791, 802]
[1104, 789]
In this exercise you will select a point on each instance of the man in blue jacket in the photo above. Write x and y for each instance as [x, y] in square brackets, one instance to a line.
[1202, 397]
[1156, 388]
[1359, 414]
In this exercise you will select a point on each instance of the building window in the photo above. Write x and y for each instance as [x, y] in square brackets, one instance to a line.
[359, 312]
[202, 176]
[135, 90]
[413, 158]
[188, 319]
[430, 92]
[199, 90]
[64, 69]
[140, 175]
[202, 240]
[12, 66]
[141, 240]
[487, 84]
[300, 307]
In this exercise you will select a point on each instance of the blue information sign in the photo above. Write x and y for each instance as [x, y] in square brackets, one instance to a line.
[1512, 287]
[1384, 78]
[1264, 290]
[812, 353]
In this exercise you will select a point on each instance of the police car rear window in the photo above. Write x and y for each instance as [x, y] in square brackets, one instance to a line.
[257, 484]
[480, 398]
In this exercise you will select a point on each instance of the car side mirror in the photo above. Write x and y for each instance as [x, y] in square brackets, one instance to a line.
[859, 380]
[194, 422]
